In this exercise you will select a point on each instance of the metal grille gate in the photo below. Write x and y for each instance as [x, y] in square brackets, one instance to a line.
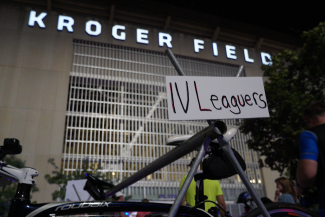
[117, 120]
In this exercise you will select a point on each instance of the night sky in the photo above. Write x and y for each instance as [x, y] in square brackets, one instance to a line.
[290, 17]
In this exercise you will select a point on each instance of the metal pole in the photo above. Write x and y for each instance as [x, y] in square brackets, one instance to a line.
[240, 70]
[173, 210]
[230, 154]
[175, 62]
[179, 69]
[226, 147]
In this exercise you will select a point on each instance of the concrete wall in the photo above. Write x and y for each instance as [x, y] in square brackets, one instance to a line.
[34, 76]
[268, 177]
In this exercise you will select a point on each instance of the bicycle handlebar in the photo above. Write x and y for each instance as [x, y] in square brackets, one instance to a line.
[11, 147]
[21, 175]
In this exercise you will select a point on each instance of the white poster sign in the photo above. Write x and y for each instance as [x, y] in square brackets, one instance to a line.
[209, 98]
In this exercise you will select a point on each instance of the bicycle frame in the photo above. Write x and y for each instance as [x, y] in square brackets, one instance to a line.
[25, 178]
[191, 144]
[227, 150]
[22, 198]
[186, 147]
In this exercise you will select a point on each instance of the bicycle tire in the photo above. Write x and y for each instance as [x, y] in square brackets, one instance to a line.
[95, 208]
[283, 210]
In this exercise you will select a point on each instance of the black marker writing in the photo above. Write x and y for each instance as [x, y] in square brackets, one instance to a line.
[247, 99]
[234, 104]
[242, 100]
[214, 98]
[172, 97]
[262, 101]
[188, 97]
[223, 102]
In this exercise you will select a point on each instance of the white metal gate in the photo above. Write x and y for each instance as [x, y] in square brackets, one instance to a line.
[117, 121]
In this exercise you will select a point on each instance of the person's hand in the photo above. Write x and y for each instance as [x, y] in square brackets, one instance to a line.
[183, 202]
[277, 195]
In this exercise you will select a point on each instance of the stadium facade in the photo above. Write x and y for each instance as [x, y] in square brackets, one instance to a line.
[83, 83]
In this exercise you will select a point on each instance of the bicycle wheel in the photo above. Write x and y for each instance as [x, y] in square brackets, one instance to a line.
[132, 214]
[112, 209]
[283, 210]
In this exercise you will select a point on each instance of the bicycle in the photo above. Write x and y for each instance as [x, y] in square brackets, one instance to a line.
[251, 210]
[274, 208]
[22, 206]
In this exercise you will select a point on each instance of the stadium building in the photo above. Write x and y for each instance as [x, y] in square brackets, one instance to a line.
[83, 82]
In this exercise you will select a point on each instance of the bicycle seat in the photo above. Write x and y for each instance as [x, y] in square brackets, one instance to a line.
[179, 139]
[95, 187]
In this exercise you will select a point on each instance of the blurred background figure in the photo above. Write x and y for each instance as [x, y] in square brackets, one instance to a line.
[285, 191]
[143, 214]
[247, 200]
[119, 196]
[311, 166]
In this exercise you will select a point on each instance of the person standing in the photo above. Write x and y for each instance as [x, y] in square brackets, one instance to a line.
[119, 196]
[143, 214]
[212, 190]
[311, 167]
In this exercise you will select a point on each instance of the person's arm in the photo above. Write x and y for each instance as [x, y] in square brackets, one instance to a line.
[306, 173]
[222, 203]
[180, 186]
[122, 214]
[183, 201]
[307, 165]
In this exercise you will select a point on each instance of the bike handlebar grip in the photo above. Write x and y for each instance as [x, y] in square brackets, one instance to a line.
[11, 146]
